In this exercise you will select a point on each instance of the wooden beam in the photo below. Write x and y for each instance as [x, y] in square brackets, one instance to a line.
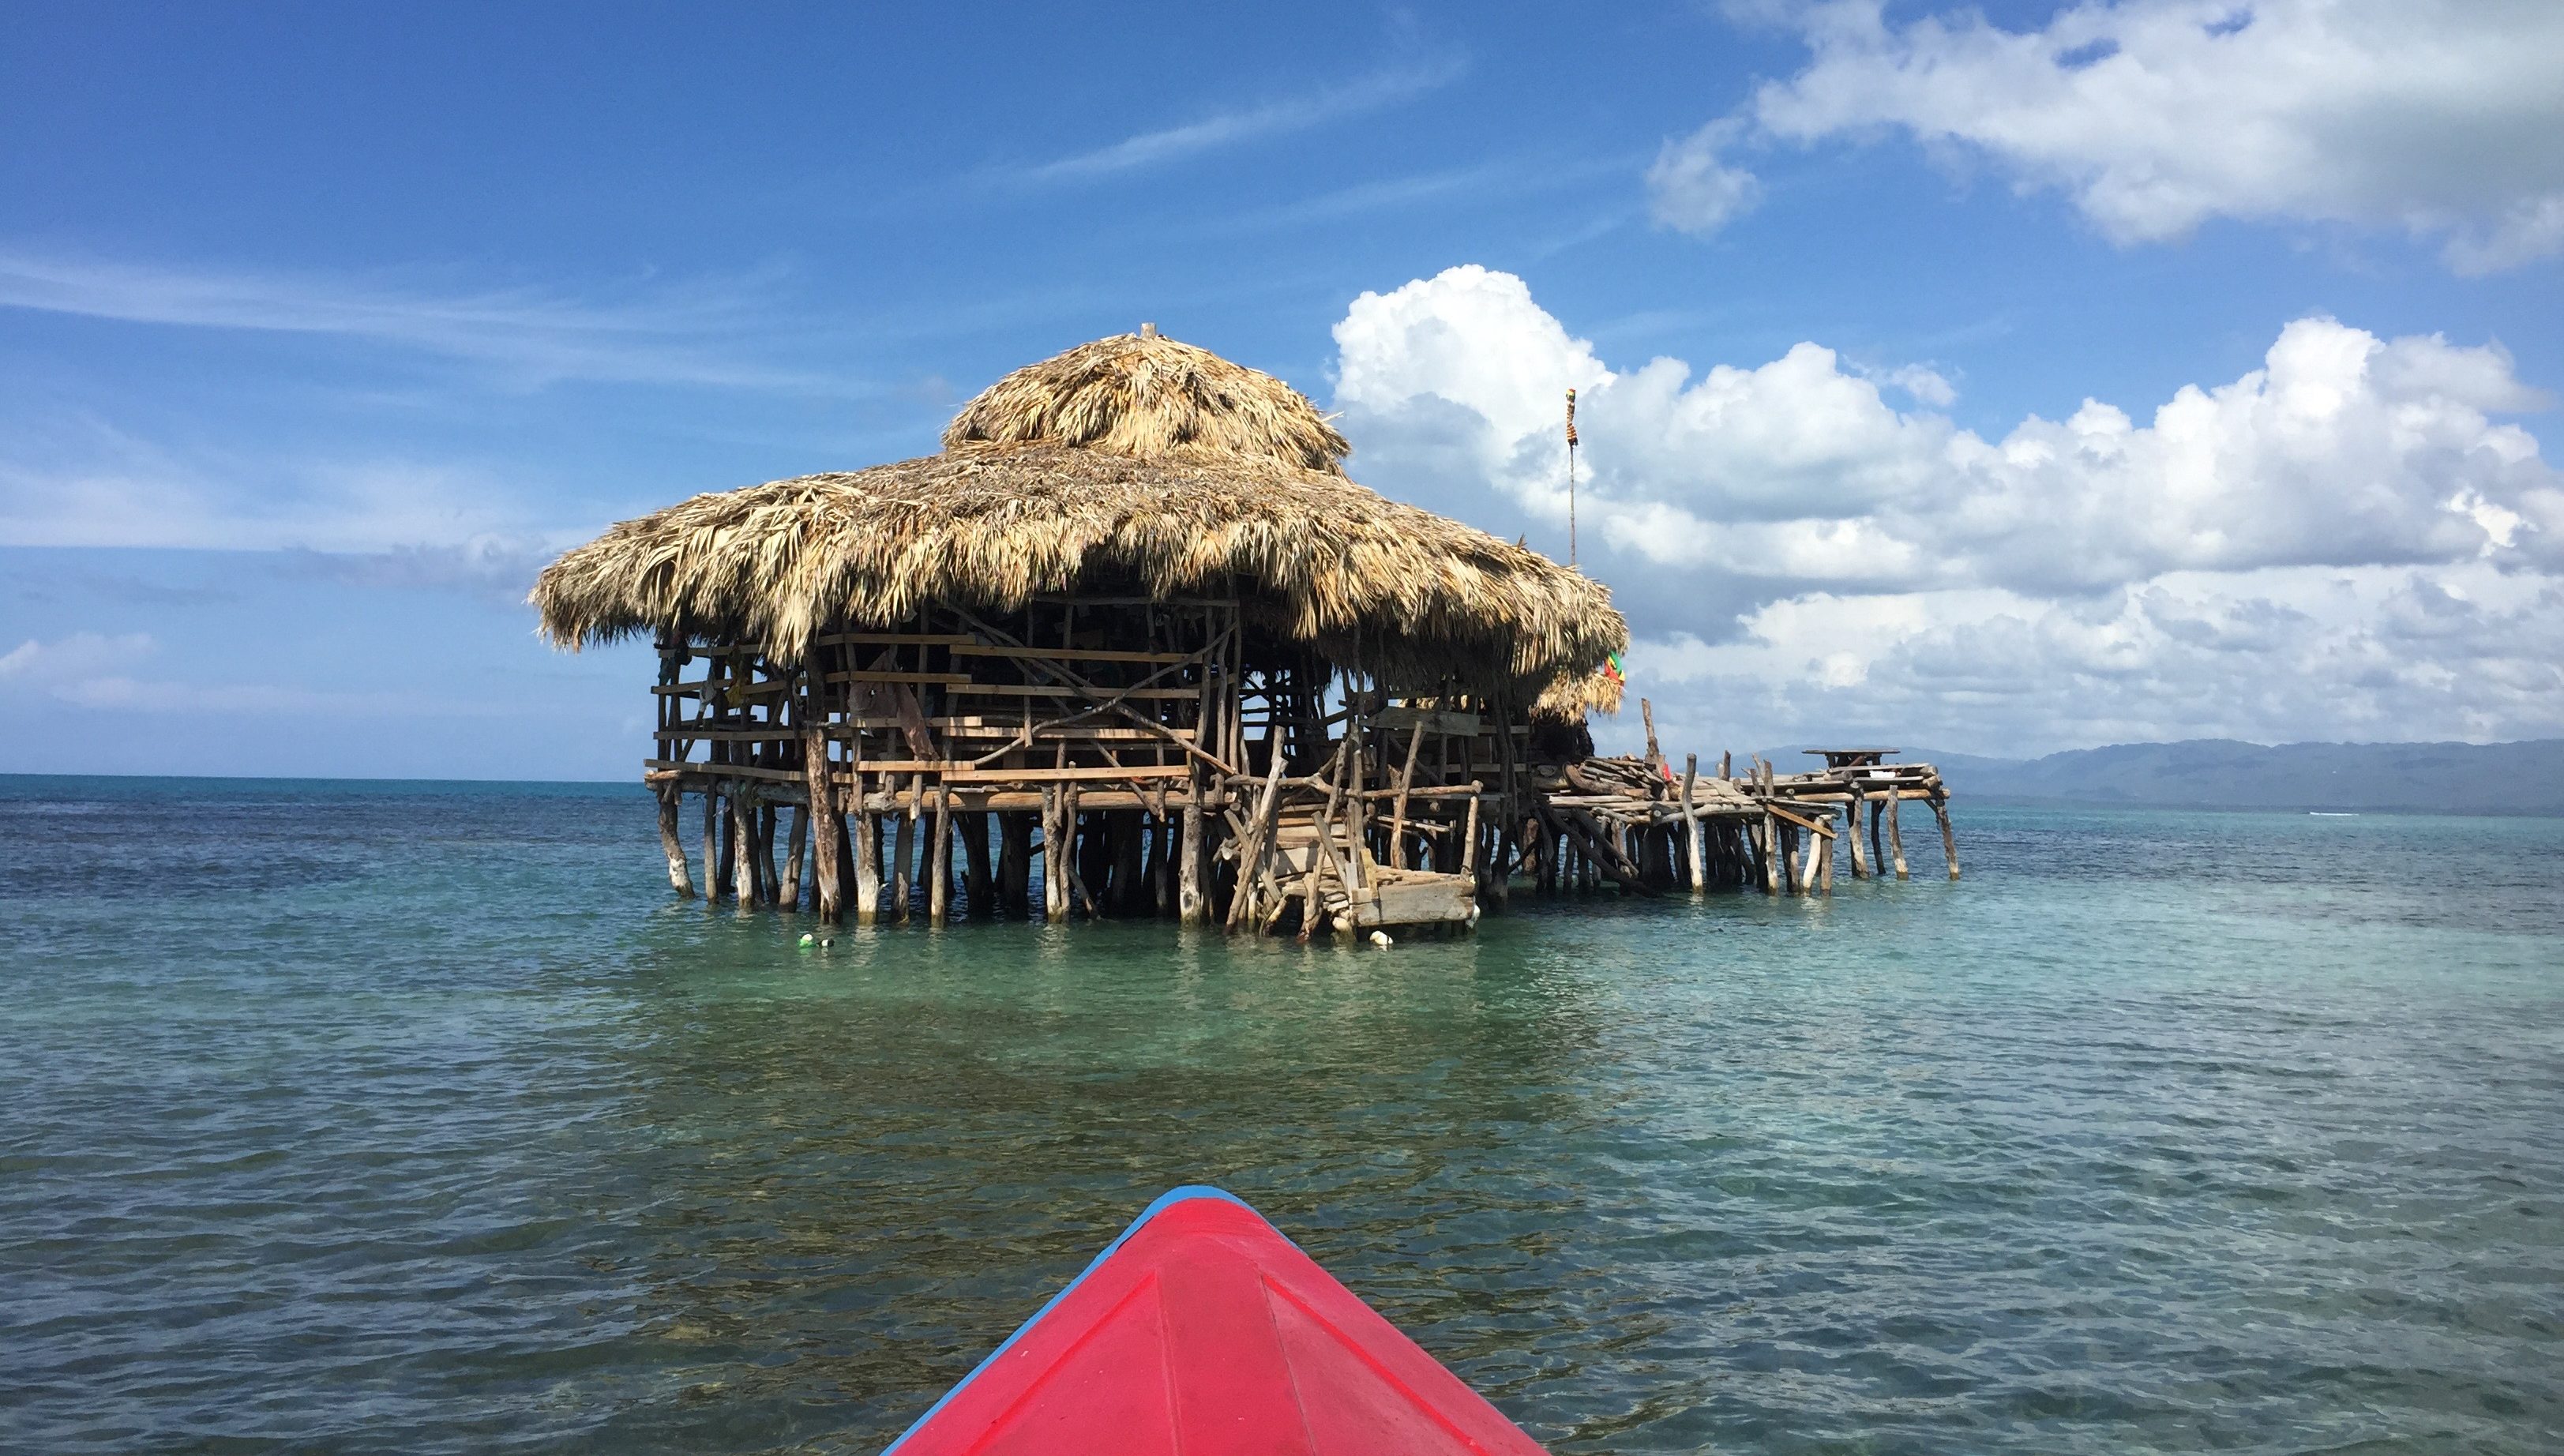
[1107, 773]
[1072, 654]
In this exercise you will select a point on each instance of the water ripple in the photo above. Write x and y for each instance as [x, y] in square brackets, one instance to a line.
[351, 1119]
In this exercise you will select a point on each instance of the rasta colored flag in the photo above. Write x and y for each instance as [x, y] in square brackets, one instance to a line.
[1611, 668]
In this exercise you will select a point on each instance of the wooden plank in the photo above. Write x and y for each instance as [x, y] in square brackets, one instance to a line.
[1044, 733]
[1105, 774]
[726, 770]
[1071, 653]
[971, 689]
[894, 639]
[728, 690]
[729, 735]
[745, 771]
[887, 677]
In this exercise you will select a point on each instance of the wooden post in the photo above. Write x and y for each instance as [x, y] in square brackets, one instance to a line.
[1948, 841]
[868, 867]
[1694, 849]
[1771, 853]
[1877, 849]
[770, 880]
[976, 887]
[828, 894]
[1256, 850]
[1655, 756]
[711, 845]
[670, 844]
[742, 846]
[1357, 808]
[1054, 853]
[797, 848]
[1726, 764]
[902, 858]
[1826, 863]
[939, 889]
[1469, 836]
[1895, 840]
[1406, 781]
[1076, 881]
[1190, 907]
[1852, 828]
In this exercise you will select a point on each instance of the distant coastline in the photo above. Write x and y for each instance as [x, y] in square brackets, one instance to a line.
[2521, 778]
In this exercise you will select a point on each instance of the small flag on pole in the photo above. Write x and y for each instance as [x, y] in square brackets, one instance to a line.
[1571, 478]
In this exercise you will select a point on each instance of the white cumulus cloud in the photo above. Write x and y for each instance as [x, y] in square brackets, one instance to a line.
[2444, 117]
[2352, 537]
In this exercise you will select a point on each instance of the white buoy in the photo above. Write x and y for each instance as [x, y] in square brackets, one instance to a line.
[1382, 940]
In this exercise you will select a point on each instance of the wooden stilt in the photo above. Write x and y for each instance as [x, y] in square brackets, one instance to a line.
[902, 858]
[769, 879]
[740, 845]
[1406, 781]
[728, 871]
[798, 849]
[1877, 849]
[978, 887]
[1255, 854]
[669, 844]
[1895, 840]
[939, 888]
[1693, 847]
[1948, 841]
[1161, 866]
[827, 895]
[1826, 863]
[1055, 857]
[1190, 907]
[1469, 837]
[868, 865]
[1852, 832]
[1079, 836]
[712, 846]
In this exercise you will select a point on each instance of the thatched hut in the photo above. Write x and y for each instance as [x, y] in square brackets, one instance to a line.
[1135, 589]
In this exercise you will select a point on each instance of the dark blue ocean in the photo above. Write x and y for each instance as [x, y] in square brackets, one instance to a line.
[418, 1117]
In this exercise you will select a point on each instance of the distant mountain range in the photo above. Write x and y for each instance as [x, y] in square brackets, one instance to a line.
[2223, 773]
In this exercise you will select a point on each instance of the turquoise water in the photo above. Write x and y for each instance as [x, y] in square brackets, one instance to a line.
[417, 1118]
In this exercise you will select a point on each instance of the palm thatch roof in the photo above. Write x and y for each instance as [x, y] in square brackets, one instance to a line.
[1134, 459]
[1571, 695]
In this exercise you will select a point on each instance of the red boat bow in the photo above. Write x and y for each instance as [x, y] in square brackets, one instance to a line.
[1202, 1331]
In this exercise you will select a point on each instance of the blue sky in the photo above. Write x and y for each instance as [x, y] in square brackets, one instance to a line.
[322, 327]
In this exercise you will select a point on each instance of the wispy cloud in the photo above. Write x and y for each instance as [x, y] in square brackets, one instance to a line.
[1500, 180]
[96, 670]
[701, 333]
[1234, 127]
[83, 481]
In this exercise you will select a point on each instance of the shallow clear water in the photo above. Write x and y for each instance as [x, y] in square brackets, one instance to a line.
[417, 1118]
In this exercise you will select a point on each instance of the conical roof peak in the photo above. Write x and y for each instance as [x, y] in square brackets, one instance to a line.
[1148, 397]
